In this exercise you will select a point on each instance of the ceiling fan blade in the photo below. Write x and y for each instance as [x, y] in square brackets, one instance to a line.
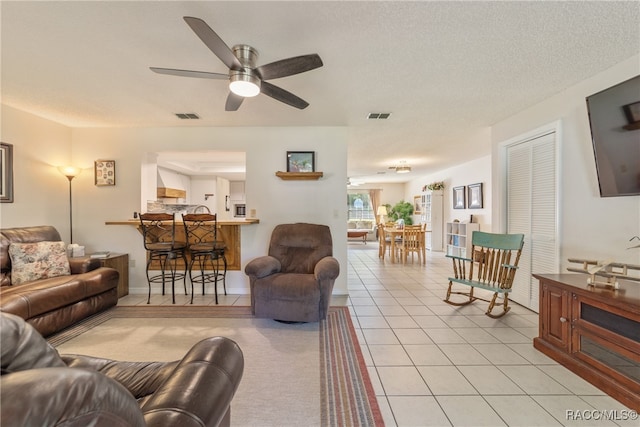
[289, 66]
[213, 42]
[189, 73]
[233, 102]
[283, 96]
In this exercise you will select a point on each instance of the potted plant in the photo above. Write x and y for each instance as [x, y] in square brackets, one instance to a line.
[402, 210]
[434, 186]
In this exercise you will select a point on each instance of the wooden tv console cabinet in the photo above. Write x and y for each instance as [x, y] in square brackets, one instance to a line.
[593, 331]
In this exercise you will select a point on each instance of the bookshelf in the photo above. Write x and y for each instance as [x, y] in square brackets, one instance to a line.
[459, 238]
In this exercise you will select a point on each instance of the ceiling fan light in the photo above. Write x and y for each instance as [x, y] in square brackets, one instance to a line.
[245, 85]
[403, 169]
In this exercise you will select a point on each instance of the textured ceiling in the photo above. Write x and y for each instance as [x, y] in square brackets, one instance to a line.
[445, 70]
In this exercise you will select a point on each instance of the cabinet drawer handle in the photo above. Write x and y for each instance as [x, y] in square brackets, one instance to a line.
[563, 319]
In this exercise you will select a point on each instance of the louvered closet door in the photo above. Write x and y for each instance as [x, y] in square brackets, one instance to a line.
[532, 210]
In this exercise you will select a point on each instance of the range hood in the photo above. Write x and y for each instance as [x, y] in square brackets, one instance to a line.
[171, 193]
[169, 186]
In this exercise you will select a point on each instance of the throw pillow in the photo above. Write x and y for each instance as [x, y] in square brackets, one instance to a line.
[41, 260]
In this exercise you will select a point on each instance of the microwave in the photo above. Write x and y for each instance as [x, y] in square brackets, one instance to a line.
[240, 210]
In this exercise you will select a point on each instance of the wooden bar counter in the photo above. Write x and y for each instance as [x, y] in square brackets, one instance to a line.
[228, 232]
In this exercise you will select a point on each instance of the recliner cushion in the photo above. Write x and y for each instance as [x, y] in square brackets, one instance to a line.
[288, 287]
[35, 261]
[300, 246]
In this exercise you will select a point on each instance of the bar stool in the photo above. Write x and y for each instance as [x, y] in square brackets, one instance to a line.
[206, 251]
[159, 236]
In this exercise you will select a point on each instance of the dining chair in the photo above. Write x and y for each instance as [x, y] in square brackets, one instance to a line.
[411, 243]
[206, 251]
[159, 237]
[384, 242]
[423, 242]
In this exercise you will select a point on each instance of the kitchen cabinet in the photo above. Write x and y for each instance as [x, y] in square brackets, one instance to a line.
[236, 191]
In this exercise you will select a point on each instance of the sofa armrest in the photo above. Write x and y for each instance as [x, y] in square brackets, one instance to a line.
[73, 397]
[83, 264]
[200, 389]
[140, 378]
[262, 266]
[328, 268]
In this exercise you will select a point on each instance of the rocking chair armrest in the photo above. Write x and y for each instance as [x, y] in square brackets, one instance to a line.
[461, 258]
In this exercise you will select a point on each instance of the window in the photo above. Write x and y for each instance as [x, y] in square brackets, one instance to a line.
[359, 207]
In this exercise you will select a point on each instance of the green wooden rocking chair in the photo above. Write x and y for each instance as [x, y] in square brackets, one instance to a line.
[492, 266]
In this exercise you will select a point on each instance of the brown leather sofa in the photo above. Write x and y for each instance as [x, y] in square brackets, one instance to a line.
[55, 303]
[39, 387]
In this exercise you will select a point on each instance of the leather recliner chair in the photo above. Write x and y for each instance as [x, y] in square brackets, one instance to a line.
[39, 387]
[294, 282]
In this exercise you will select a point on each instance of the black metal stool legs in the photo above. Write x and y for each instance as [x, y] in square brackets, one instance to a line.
[158, 231]
[168, 270]
[206, 251]
[224, 273]
[209, 265]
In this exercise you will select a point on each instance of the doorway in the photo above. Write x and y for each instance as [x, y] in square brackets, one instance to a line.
[532, 208]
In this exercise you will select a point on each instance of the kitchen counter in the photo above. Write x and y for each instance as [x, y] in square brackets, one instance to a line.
[228, 232]
[235, 221]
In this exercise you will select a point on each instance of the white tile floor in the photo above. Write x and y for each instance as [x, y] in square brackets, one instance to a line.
[433, 364]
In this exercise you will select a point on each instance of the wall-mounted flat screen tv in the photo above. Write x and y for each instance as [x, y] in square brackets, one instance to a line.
[614, 116]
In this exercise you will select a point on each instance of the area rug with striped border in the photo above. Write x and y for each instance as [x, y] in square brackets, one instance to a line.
[347, 396]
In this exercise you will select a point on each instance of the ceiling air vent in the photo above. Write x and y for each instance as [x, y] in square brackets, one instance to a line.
[378, 116]
[188, 116]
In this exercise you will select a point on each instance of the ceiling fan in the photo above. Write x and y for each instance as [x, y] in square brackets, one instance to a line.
[245, 79]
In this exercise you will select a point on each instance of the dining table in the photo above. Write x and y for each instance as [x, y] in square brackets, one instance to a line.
[395, 234]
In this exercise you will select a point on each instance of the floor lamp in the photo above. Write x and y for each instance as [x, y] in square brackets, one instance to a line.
[70, 172]
[382, 212]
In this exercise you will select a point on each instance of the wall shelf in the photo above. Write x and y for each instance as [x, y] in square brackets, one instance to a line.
[299, 176]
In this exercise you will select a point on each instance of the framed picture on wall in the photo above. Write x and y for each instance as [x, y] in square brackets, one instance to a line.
[458, 197]
[475, 196]
[301, 161]
[105, 172]
[417, 205]
[6, 173]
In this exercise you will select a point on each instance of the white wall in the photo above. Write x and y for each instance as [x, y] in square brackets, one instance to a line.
[472, 172]
[590, 226]
[276, 201]
[201, 185]
[42, 192]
